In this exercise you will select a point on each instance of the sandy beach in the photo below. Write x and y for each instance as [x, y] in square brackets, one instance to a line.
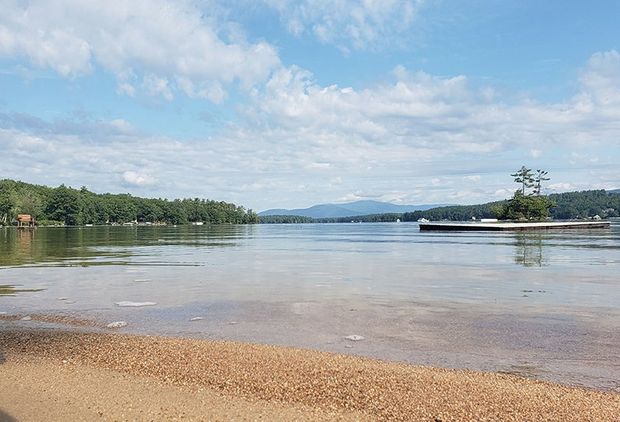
[70, 375]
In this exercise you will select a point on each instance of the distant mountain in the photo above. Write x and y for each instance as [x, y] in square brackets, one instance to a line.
[615, 191]
[350, 209]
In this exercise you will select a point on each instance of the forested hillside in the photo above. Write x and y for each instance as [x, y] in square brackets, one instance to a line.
[567, 205]
[76, 207]
[586, 204]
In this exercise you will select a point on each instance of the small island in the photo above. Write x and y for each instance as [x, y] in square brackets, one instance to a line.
[528, 209]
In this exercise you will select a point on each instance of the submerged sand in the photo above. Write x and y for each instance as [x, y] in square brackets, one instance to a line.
[60, 375]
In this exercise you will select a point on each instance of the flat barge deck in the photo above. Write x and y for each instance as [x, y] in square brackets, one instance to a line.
[499, 226]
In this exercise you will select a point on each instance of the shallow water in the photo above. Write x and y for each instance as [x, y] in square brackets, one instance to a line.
[538, 304]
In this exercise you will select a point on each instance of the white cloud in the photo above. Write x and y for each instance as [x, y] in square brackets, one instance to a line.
[137, 179]
[416, 111]
[163, 45]
[601, 80]
[349, 24]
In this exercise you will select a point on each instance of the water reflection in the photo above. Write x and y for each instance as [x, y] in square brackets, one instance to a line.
[11, 290]
[529, 249]
[105, 245]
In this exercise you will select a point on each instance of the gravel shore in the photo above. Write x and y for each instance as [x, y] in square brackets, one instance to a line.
[78, 375]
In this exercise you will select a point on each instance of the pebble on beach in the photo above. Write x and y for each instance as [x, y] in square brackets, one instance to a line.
[26, 318]
[127, 303]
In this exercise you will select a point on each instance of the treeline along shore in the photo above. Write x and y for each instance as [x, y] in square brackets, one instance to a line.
[67, 206]
[566, 206]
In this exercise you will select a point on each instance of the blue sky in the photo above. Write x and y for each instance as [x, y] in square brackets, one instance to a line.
[280, 103]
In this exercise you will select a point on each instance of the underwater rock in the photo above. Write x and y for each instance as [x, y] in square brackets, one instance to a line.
[127, 303]
[117, 324]
[354, 337]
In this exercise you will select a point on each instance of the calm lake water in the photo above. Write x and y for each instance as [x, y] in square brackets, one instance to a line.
[538, 304]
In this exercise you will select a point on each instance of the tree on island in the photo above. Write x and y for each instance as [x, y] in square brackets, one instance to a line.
[525, 177]
[526, 205]
[541, 176]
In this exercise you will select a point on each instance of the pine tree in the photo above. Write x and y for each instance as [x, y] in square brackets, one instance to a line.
[525, 177]
[541, 176]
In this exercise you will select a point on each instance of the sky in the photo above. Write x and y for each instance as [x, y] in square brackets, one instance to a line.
[286, 104]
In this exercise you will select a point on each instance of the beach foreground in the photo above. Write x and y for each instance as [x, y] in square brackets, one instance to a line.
[56, 375]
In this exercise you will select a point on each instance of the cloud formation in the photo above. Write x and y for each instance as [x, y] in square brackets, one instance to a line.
[155, 46]
[349, 24]
[402, 141]
[432, 117]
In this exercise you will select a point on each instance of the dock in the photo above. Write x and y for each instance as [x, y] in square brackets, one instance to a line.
[499, 226]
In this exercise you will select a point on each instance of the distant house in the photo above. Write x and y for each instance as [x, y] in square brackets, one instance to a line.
[25, 220]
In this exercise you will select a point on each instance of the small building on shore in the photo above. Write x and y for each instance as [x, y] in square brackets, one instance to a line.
[25, 221]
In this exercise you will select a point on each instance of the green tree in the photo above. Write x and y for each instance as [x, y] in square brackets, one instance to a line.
[541, 176]
[28, 202]
[174, 212]
[64, 205]
[121, 208]
[7, 206]
[527, 207]
[149, 210]
[525, 177]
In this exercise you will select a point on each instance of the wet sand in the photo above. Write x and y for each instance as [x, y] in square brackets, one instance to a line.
[56, 375]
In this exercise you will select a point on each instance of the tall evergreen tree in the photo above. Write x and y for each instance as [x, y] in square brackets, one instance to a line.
[541, 176]
[525, 177]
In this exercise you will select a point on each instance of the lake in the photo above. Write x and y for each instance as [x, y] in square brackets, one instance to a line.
[538, 304]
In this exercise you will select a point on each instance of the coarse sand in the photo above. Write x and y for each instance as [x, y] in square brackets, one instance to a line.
[70, 375]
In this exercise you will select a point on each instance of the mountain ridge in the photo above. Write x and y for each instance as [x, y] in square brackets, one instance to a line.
[349, 209]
